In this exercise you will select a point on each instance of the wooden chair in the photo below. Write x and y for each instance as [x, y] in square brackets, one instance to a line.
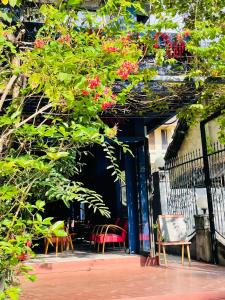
[59, 241]
[112, 234]
[171, 231]
[97, 229]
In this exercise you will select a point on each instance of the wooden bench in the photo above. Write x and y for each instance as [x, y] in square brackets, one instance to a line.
[171, 231]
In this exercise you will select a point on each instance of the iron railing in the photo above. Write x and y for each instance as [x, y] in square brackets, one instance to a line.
[216, 158]
[186, 190]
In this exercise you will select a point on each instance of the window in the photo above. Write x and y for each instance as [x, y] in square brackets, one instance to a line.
[151, 139]
[164, 139]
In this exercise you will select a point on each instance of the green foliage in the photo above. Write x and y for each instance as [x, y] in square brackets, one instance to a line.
[67, 76]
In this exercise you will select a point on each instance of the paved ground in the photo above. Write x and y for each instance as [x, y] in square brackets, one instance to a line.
[125, 278]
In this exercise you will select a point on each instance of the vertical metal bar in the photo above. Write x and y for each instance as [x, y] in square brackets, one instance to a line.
[209, 194]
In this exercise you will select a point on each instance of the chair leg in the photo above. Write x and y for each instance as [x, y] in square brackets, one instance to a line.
[56, 246]
[98, 249]
[61, 244]
[159, 251]
[71, 243]
[164, 253]
[46, 247]
[67, 244]
[103, 248]
[124, 245]
[182, 254]
[188, 254]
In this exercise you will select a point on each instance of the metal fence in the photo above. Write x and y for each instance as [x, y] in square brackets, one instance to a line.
[184, 180]
[216, 158]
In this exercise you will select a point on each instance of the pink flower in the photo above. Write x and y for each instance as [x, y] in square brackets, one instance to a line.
[107, 105]
[64, 39]
[106, 90]
[39, 43]
[93, 83]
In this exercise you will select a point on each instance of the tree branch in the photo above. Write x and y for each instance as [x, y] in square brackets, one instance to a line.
[7, 89]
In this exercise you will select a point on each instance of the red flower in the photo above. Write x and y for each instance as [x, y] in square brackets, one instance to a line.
[123, 74]
[107, 105]
[28, 243]
[85, 92]
[93, 83]
[111, 49]
[22, 256]
[156, 46]
[130, 67]
[39, 43]
[126, 69]
[126, 38]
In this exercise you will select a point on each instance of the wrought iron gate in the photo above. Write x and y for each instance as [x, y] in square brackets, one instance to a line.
[185, 186]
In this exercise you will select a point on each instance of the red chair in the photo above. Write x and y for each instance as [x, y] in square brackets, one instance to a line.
[97, 230]
[112, 234]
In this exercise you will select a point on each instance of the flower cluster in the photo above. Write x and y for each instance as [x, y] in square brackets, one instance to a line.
[111, 49]
[39, 43]
[125, 39]
[126, 69]
[64, 39]
[107, 105]
[93, 83]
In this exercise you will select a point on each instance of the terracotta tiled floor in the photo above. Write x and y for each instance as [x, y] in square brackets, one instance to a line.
[125, 278]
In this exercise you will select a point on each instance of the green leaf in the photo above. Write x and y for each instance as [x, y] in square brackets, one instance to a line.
[13, 2]
[47, 221]
[64, 77]
[13, 293]
[74, 2]
[60, 233]
[40, 204]
[57, 225]
[32, 277]
[39, 217]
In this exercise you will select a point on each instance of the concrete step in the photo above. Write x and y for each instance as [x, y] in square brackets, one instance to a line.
[74, 265]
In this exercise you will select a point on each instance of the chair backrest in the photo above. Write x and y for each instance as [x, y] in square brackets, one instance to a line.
[171, 228]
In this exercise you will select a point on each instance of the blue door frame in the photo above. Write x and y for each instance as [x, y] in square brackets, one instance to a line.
[136, 170]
